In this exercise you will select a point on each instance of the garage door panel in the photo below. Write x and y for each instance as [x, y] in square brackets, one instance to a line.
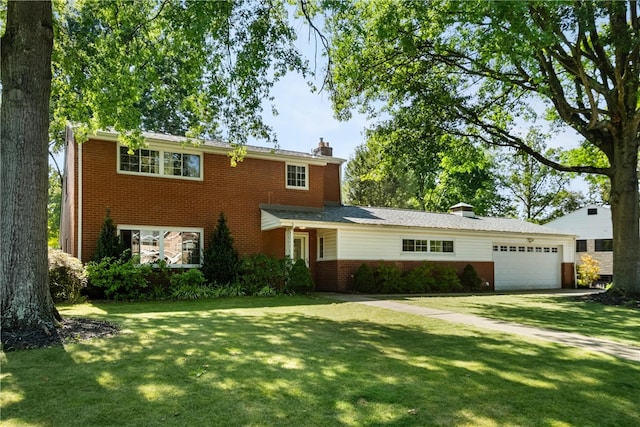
[527, 267]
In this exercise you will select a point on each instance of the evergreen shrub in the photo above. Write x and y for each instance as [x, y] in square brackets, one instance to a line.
[261, 270]
[470, 279]
[221, 262]
[388, 279]
[419, 280]
[109, 244]
[445, 279]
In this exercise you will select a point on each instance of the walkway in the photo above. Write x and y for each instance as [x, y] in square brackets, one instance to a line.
[566, 338]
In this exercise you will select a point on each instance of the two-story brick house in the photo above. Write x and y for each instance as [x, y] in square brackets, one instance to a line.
[166, 199]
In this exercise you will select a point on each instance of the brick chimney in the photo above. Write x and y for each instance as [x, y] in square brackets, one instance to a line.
[323, 149]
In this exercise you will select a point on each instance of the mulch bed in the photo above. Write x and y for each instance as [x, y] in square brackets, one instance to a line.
[612, 298]
[70, 330]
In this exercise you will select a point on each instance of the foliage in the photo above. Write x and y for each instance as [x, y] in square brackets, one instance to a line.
[419, 280]
[190, 285]
[54, 201]
[261, 270]
[588, 271]
[388, 278]
[120, 279]
[542, 192]
[470, 280]
[299, 280]
[221, 263]
[445, 279]
[364, 280]
[108, 244]
[67, 277]
[477, 71]
[158, 279]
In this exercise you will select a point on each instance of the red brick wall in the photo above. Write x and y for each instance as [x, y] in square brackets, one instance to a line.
[332, 183]
[173, 202]
[338, 275]
[568, 277]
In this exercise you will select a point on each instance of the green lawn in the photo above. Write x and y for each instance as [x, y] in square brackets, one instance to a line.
[546, 311]
[308, 361]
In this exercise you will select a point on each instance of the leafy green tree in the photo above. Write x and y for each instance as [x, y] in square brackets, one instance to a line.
[122, 65]
[479, 69]
[542, 192]
[221, 263]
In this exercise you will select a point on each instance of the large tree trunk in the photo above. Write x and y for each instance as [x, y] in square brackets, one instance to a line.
[24, 118]
[624, 214]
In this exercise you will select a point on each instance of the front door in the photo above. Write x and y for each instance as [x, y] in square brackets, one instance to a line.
[301, 247]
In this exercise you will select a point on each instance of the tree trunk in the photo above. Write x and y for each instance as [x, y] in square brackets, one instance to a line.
[624, 214]
[24, 119]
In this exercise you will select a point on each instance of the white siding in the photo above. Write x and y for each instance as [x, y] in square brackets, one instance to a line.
[585, 226]
[387, 244]
[330, 243]
[268, 221]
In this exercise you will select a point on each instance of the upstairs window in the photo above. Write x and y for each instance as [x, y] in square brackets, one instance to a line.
[604, 245]
[297, 177]
[581, 246]
[592, 211]
[161, 163]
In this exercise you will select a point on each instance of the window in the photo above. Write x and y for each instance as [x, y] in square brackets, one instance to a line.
[512, 248]
[604, 245]
[175, 247]
[141, 161]
[321, 247]
[581, 246]
[297, 176]
[529, 248]
[547, 250]
[520, 248]
[592, 211]
[412, 245]
[554, 250]
[538, 249]
[442, 246]
[145, 161]
[182, 164]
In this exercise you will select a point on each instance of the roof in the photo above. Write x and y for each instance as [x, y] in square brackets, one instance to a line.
[407, 218]
[215, 144]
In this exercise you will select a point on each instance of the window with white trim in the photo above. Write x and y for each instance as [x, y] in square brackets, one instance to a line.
[148, 162]
[297, 176]
[416, 245]
[176, 247]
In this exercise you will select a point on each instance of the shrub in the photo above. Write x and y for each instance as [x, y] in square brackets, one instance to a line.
[221, 262]
[588, 271]
[260, 270]
[445, 279]
[67, 276]
[388, 279]
[120, 279]
[158, 281]
[363, 279]
[470, 279]
[299, 280]
[190, 285]
[419, 280]
[108, 244]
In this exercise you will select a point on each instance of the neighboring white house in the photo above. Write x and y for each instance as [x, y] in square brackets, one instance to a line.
[593, 228]
[508, 253]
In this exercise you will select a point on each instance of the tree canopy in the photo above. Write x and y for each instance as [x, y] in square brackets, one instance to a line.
[479, 70]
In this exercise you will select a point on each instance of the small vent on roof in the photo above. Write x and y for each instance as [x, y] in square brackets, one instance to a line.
[592, 211]
[463, 209]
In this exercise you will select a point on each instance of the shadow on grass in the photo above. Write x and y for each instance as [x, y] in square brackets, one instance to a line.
[309, 363]
[568, 314]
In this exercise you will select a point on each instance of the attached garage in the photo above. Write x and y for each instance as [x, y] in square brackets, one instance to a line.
[527, 266]
[509, 254]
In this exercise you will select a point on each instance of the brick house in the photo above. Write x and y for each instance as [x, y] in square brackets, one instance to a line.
[166, 199]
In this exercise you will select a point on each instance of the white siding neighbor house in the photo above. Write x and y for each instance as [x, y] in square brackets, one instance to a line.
[509, 254]
[594, 235]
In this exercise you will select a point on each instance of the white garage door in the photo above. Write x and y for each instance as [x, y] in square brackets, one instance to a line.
[520, 267]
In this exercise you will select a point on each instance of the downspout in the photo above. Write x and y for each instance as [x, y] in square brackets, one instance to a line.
[79, 200]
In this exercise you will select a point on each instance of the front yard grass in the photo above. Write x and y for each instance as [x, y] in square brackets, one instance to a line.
[562, 313]
[308, 361]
